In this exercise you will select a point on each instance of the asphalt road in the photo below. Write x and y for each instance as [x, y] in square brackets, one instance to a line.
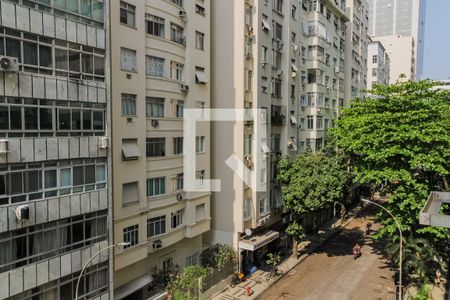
[331, 273]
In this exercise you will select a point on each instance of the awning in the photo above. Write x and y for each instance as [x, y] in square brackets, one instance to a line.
[291, 143]
[293, 120]
[294, 68]
[265, 148]
[256, 241]
[132, 286]
[265, 25]
[130, 149]
[200, 77]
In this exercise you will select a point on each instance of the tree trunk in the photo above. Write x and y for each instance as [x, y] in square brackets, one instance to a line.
[445, 183]
[294, 247]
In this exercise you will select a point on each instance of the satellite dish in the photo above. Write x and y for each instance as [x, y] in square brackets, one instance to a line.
[248, 232]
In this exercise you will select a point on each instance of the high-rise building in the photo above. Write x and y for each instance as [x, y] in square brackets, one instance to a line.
[356, 51]
[53, 149]
[160, 65]
[286, 59]
[391, 22]
[378, 65]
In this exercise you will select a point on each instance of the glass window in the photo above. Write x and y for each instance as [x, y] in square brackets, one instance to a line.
[30, 53]
[155, 25]
[16, 183]
[45, 118]
[156, 226]
[89, 174]
[15, 114]
[155, 107]
[99, 65]
[131, 235]
[4, 118]
[154, 66]
[65, 177]
[64, 119]
[127, 14]
[97, 10]
[87, 62]
[31, 118]
[101, 173]
[13, 48]
[78, 175]
[76, 120]
[61, 60]
[50, 179]
[87, 120]
[177, 145]
[156, 186]
[85, 6]
[128, 105]
[156, 147]
[74, 61]
[98, 120]
[33, 181]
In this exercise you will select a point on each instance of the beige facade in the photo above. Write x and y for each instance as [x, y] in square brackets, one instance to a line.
[378, 65]
[356, 51]
[160, 53]
[286, 58]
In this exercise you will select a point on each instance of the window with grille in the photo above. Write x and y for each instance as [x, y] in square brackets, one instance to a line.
[154, 66]
[128, 59]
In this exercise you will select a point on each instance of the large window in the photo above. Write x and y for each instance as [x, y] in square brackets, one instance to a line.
[128, 105]
[310, 122]
[199, 40]
[155, 107]
[278, 6]
[156, 147]
[127, 14]
[156, 226]
[177, 145]
[28, 182]
[277, 31]
[319, 122]
[276, 88]
[154, 66]
[177, 218]
[176, 71]
[131, 235]
[32, 117]
[176, 34]
[44, 55]
[155, 25]
[156, 186]
[128, 60]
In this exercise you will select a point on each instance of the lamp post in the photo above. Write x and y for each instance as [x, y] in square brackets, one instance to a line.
[401, 243]
[90, 259]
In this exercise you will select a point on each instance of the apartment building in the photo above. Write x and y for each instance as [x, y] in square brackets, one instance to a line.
[160, 53]
[356, 55]
[324, 34]
[285, 58]
[378, 66]
[53, 149]
[398, 24]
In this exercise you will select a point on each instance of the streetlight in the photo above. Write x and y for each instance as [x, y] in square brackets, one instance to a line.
[401, 243]
[123, 244]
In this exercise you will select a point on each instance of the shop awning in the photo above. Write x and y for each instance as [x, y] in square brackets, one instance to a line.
[132, 286]
[256, 241]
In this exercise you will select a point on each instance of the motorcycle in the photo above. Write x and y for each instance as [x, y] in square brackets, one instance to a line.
[236, 279]
[356, 252]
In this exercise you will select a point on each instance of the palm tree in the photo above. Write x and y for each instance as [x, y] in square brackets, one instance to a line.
[419, 257]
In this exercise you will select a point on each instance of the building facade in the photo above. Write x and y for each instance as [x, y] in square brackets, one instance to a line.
[394, 20]
[160, 53]
[287, 60]
[356, 51]
[378, 65]
[53, 149]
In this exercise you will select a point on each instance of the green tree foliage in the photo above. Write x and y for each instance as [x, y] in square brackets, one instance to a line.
[399, 139]
[217, 256]
[185, 285]
[312, 181]
[297, 232]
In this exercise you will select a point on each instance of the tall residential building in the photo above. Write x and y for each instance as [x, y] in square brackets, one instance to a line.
[160, 54]
[378, 65]
[391, 21]
[287, 59]
[53, 149]
[356, 51]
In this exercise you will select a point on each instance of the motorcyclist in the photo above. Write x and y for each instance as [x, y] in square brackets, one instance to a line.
[357, 250]
[368, 228]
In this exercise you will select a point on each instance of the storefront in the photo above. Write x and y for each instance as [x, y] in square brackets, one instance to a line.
[254, 249]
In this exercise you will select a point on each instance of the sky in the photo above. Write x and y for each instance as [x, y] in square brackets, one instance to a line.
[436, 64]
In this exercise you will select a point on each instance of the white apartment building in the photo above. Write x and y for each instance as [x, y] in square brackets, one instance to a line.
[287, 59]
[378, 65]
[394, 23]
[356, 52]
[53, 149]
[160, 53]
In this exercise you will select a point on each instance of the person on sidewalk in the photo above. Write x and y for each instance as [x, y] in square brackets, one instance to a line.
[437, 280]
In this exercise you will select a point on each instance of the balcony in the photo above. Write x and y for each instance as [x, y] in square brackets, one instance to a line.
[278, 119]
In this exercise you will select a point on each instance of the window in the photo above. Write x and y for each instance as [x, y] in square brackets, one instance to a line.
[178, 2]
[294, 12]
[177, 218]
[276, 88]
[156, 186]
[192, 260]
[176, 34]
[276, 59]
[264, 85]
[200, 212]
[319, 144]
[201, 109]
[278, 6]
[277, 31]
[128, 60]
[128, 105]
[130, 149]
[130, 193]
[154, 66]
[127, 14]
[264, 206]
[200, 144]
[199, 40]
[200, 177]
[156, 147]
[177, 145]
[264, 54]
[319, 122]
[310, 122]
[248, 144]
[168, 264]
[131, 235]
[200, 10]
[178, 182]
[374, 59]
[155, 25]
[248, 208]
[276, 144]
[176, 71]
[156, 226]
[326, 126]
[374, 71]
[155, 107]
[179, 109]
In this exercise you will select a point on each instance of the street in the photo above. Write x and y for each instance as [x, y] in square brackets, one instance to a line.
[332, 273]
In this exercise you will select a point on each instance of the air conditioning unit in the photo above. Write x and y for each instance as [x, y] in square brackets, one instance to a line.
[157, 244]
[249, 29]
[180, 197]
[294, 47]
[264, 63]
[23, 213]
[336, 69]
[9, 64]
[247, 104]
[103, 142]
[280, 73]
[184, 87]
[155, 123]
[182, 13]
[3, 146]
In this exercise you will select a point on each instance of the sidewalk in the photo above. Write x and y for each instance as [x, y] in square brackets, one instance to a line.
[257, 281]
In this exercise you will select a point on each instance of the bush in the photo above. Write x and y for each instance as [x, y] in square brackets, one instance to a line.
[186, 283]
[217, 256]
[422, 294]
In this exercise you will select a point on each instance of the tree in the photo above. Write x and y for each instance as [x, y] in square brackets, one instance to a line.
[297, 232]
[185, 285]
[312, 181]
[217, 256]
[399, 139]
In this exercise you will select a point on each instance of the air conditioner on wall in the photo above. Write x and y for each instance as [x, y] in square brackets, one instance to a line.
[155, 123]
[157, 244]
[9, 64]
[184, 87]
[3, 146]
[182, 13]
[103, 142]
[23, 212]
[180, 197]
